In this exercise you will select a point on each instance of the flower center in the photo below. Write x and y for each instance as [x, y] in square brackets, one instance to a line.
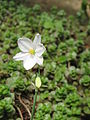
[32, 51]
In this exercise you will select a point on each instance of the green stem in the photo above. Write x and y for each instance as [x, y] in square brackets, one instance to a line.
[35, 97]
[38, 72]
[34, 103]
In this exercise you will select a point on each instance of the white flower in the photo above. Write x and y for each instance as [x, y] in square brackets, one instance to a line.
[31, 52]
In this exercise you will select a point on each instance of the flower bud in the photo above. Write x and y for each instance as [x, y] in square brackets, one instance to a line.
[38, 82]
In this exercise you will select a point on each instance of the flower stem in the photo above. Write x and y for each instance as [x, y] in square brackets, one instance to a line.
[34, 103]
[35, 97]
[38, 71]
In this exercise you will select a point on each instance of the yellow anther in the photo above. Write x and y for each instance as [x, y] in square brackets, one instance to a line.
[32, 51]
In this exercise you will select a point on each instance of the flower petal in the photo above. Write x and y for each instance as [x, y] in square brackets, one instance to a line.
[25, 44]
[37, 39]
[40, 49]
[29, 62]
[20, 56]
[39, 60]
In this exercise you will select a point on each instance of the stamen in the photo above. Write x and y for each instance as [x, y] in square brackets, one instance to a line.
[32, 51]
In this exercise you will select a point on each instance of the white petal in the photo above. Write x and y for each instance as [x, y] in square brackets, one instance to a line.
[25, 44]
[37, 39]
[39, 60]
[29, 62]
[20, 56]
[40, 49]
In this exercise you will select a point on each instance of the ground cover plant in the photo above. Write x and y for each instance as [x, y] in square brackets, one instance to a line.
[65, 74]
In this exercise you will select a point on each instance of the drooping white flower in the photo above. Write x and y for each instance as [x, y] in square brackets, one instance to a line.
[31, 52]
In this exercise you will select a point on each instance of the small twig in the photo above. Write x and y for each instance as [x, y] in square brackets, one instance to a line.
[20, 113]
[68, 65]
[24, 105]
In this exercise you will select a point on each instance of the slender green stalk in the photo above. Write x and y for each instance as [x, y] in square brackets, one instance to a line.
[34, 103]
[38, 71]
[35, 97]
